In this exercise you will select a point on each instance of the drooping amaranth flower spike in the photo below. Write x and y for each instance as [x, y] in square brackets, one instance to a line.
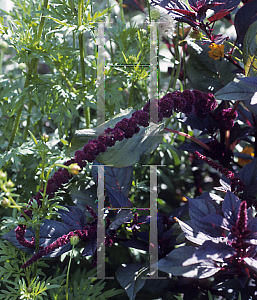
[237, 184]
[203, 104]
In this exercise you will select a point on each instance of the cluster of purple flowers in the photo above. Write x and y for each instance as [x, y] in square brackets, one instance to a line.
[240, 231]
[226, 118]
[185, 102]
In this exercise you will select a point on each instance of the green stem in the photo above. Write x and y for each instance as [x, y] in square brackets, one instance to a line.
[131, 94]
[189, 137]
[82, 61]
[15, 127]
[25, 135]
[176, 58]
[68, 82]
[41, 25]
[176, 55]
[31, 69]
[68, 272]
[37, 249]
[15, 205]
[121, 11]
[149, 11]
[1, 61]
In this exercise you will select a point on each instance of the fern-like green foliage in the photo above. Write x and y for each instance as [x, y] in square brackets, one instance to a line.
[83, 285]
[14, 280]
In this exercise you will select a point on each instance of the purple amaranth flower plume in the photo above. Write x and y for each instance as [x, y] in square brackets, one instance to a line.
[126, 128]
[236, 183]
[226, 119]
[86, 234]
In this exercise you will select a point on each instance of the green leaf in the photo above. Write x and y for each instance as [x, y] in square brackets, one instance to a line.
[250, 51]
[210, 296]
[205, 73]
[125, 153]
[239, 90]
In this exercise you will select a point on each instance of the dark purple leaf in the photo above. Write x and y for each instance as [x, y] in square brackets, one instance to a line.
[50, 231]
[174, 263]
[144, 219]
[248, 174]
[143, 235]
[117, 198]
[11, 237]
[59, 251]
[168, 238]
[250, 80]
[83, 195]
[115, 178]
[199, 208]
[74, 218]
[137, 244]
[201, 7]
[225, 185]
[130, 276]
[207, 124]
[179, 212]
[168, 6]
[90, 248]
[230, 207]
[216, 221]
[245, 16]
[211, 251]
[238, 132]
[124, 215]
[192, 234]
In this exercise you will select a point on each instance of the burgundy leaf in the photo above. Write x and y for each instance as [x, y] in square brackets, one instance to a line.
[225, 7]
[184, 12]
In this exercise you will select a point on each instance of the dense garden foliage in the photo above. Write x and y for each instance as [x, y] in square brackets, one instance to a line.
[180, 135]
